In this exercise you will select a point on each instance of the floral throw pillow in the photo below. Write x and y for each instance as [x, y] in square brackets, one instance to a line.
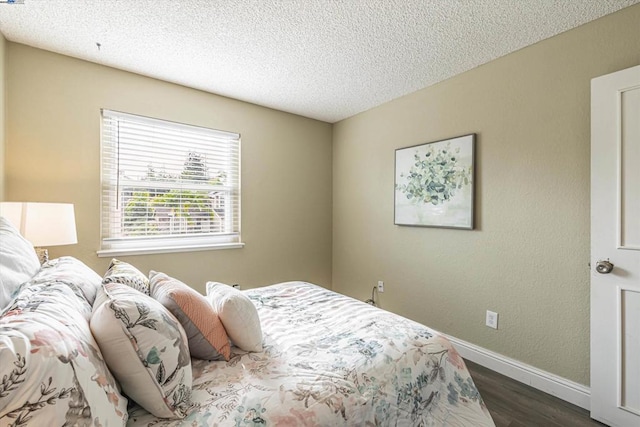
[74, 273]
[146, 349]
[127, 274]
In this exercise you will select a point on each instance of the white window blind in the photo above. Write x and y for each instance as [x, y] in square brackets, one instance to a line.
[167, 186]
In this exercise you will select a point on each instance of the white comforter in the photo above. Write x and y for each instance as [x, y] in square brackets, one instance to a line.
[330, 360]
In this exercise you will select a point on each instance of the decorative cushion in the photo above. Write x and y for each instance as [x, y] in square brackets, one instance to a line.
[18, 261]
[207, 337]
[145, 347]
[72, 272]
[238, 314]
[127, 274]
[51, 369]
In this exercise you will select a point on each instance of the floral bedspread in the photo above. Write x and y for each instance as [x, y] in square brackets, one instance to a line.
[52, 372]
[330, 360]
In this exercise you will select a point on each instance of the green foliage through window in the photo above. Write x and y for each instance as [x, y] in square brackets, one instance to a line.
[162, 210]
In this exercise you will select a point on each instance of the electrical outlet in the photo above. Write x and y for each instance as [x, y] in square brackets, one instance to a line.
[492, 319]
[380, 286]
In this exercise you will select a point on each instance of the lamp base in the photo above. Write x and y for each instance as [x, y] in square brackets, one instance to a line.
[43, 255]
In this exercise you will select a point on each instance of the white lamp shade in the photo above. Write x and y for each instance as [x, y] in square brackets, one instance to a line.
[43, 224]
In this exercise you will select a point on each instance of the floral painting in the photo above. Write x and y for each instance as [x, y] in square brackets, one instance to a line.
[434, 184]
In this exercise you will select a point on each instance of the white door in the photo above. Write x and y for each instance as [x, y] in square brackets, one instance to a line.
[615, 235]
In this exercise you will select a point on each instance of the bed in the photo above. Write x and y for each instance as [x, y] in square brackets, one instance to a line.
[330, 360]
[80, 349]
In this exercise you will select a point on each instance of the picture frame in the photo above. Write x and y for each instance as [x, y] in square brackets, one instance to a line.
[435, 184]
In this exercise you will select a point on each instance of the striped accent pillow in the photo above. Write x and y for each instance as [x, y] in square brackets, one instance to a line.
[206, 335]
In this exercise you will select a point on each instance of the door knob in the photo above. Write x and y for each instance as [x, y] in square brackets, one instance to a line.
[604, 267]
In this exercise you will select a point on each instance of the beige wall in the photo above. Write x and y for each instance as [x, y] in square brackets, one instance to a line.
[528, 258]
[53, 154]
[3, 44]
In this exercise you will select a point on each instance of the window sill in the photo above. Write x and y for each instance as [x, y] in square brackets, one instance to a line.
[105, 253]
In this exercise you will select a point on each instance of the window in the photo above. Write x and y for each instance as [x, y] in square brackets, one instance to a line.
[167, 187]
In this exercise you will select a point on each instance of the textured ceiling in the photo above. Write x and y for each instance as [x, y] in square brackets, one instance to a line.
[325, 59]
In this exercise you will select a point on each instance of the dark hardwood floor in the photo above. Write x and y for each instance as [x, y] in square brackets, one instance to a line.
[513, 404]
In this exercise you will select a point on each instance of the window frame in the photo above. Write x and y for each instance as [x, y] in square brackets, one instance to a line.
[112, 185]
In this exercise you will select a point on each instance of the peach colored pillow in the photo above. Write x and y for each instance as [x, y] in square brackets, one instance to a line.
[206, 335]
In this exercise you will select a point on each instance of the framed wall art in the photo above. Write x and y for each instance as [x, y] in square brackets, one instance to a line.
[434, 184]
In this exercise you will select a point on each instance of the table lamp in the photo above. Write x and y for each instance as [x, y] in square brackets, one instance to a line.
[43, 224]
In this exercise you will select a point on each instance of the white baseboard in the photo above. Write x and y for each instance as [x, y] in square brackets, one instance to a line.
[562, 388]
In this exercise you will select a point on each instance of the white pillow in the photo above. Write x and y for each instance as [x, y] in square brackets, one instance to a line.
[145, 348]
[238, 315]
[18, 261]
